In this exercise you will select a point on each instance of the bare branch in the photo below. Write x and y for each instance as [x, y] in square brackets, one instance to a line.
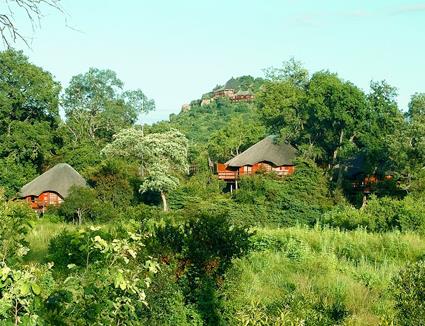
[9, 31]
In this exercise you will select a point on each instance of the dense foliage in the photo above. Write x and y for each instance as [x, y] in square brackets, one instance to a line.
[408, 287]
[299, 249]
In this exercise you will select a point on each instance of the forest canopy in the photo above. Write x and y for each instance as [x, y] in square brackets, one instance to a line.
[155, 238]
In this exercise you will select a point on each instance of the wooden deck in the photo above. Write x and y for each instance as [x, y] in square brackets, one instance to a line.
[235, 175]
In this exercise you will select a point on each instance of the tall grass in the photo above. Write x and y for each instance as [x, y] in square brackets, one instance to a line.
[317, 277]
[39, 237]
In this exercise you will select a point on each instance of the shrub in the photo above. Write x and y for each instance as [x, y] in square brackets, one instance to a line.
[79, 205]
[83, 205]
[74, 247]
[346, 218]
[112, 180]
[105, 282]
[300, 198]
[205, 239]
[202, 248]
[22, 292]
[166, 303]
[409, 294]
[380, 215]
[15, 223]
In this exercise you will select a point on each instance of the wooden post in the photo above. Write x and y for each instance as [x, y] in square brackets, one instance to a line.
[231, 188]
[236, 185]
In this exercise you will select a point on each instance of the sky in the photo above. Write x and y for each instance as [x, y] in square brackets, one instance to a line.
[177, 50]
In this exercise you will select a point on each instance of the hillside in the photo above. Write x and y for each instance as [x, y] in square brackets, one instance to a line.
[156, 238]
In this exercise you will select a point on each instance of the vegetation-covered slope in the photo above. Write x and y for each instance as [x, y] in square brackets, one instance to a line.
[339, 242]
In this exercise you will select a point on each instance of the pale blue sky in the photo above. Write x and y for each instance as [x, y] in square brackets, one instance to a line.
[176, 50]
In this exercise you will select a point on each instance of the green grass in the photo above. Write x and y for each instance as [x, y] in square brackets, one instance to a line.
[44, 230]
[39, 237]
[317, 277]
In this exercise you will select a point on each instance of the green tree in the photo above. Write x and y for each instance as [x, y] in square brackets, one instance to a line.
[336, 110]
[407, 143]
[162, 157]
[383, 118]
[282, 109]
[29, 117]
[237, 135]
[79, 204]
[291, 70]
[417, 107]
[96, 105]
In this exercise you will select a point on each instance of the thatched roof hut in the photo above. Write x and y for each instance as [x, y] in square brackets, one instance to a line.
[266, 150]
[58, 179]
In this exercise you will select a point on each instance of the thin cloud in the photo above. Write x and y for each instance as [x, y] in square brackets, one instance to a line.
[409, 9]
[319, 18]
[358, 13]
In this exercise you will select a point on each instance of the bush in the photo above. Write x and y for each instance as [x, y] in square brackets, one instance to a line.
[300, 198]
[167, 304]
[79, 205]
[200, 189]
[201, 248]
[380, 215]
[346, 218]
[104, 282]
[112, 180]
[208, 240]
[15, 223]
[22, 292]
[84, 204]
[74, 247]
[409, 294]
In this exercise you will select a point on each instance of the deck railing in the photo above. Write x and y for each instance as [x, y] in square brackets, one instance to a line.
[234, 175]
[228, 175]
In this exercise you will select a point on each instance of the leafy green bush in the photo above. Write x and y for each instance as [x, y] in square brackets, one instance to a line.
[167, 304]
[380, 215]
[300, 198]
[22, 292]
[202, 189]
[114, 181]
[87, 205]
[15, 223]
[201, 247]
[293, 247]
[105, 279]
[75, 247]
[409, 293]
[79, 205]
[207, 240]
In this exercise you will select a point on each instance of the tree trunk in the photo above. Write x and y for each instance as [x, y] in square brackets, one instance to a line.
[364, 202]
[79, 215]
[339, 177]
[341, 138]
[335, 156]
[164, 202]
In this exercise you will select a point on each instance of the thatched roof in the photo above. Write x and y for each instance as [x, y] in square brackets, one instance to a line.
[244, 93]
[59, 179]
[265, 150]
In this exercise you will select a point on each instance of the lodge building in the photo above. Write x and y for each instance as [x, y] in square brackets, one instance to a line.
[267, 155]
[51, 187]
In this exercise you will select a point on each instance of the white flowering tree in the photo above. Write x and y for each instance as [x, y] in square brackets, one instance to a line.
[162, 157]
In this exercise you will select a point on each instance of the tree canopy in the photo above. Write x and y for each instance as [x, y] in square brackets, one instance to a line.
[29, 118]
[162, 157]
